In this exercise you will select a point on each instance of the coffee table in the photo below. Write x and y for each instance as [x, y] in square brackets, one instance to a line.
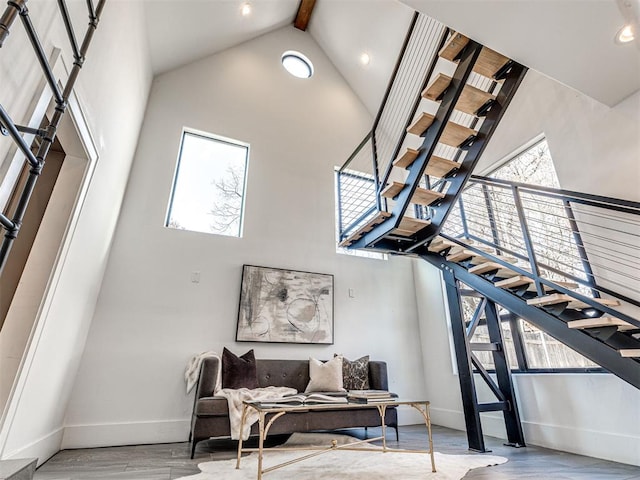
[276, 411]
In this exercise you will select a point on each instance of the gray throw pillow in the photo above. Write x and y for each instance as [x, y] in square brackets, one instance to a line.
[239, 372]
[355, 374]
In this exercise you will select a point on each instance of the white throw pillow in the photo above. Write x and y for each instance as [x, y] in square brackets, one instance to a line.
[325, 377]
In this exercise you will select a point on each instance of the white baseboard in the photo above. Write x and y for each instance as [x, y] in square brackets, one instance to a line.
[42, 449]
[605, 445]
[130, 433]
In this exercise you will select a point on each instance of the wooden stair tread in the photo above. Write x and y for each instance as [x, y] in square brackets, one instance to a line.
[410, 226]
[489, 62]
[521, 280]
[573, 303]
[437, 87]
[630, 352]
[601, 322]
[406, 159]
[453, 46]
[367, 227]
[422, 196]
[392, 190]
[454, 134]
[439, 244]
[440, 167]
[489, 266]
[471, 98]
[420, 125]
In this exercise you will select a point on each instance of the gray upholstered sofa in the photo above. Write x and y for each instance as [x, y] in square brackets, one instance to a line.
[211, 414]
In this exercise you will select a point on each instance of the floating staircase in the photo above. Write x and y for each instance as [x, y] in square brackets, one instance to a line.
[575, 279]
[480, 112]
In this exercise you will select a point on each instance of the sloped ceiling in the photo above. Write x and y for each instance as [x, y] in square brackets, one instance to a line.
[569, 40]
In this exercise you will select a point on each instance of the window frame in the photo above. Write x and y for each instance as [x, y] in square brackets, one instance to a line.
[216, 138]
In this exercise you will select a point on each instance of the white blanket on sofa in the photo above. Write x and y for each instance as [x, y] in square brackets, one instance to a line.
[235, 397]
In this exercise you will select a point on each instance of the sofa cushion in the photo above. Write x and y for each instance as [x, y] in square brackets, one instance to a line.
[355, 374]
[326, 376]
[239, 372]
[218, 406]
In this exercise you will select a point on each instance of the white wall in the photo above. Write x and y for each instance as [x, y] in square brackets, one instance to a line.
[151, 319]
[596, 149]
[112, 89]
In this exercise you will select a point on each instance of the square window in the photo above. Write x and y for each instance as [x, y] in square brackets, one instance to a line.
[209, 185]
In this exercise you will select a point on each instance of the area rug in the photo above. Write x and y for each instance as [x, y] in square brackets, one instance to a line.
[345, 465]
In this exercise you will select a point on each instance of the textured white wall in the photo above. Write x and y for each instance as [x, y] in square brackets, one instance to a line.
[112, 89]
[151, 319]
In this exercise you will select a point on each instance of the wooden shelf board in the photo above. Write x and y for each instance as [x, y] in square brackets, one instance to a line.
[437, 87]
[422, 196]
[410, 226]
[521, 280]
[630, 352]
[453, 46]
[393, 189]
[440, 167]
[601, 322]
[489, 62]
[367, 227]
[406, 159]
[454, 134]
[419, 126]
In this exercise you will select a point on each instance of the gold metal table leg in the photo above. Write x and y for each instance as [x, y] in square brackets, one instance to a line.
[261, 443]
[242, 421]
[427, 420]
[382, 410]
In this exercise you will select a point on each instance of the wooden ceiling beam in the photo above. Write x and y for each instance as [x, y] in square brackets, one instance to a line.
[304, 14]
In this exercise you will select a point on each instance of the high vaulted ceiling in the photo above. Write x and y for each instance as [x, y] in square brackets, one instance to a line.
[569, 40]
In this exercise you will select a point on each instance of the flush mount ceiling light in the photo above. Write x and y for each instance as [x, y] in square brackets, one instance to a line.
[626, 34]
[245, 9]
[365, 59]
[297, 64]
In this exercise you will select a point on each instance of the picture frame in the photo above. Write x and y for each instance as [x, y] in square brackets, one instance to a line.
[285, 306]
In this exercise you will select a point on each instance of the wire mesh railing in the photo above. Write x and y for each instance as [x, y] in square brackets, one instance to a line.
[555, 234]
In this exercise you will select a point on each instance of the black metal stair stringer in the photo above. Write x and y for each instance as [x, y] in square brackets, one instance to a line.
[432, 135]
[596, 350]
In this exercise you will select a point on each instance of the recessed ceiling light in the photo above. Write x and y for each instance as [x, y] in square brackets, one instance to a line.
[365, 58]
[245, 9]
[625, 34]
[297, 64]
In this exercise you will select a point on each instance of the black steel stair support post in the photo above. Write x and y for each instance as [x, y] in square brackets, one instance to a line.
[526, 235]
[575, 231]
[492, 217]
[465, 367]
[515, 436]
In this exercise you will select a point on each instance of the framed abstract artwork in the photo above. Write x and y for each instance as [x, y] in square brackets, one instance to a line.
[285, 306]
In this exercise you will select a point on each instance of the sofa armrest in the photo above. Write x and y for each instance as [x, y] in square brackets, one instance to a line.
[378, 375]
[208, 377]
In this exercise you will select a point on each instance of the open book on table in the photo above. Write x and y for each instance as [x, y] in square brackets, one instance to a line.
[304, 399]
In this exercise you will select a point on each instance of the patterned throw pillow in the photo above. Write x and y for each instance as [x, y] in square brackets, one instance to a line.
[239, 372]
[355, 375]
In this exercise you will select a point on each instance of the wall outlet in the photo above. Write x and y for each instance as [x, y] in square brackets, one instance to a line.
[195, 277]
[352, 293]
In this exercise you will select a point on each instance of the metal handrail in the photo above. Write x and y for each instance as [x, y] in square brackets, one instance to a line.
[516, 212]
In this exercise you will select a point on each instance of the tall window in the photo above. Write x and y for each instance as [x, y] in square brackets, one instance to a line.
[209, 185]
[533, 165]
